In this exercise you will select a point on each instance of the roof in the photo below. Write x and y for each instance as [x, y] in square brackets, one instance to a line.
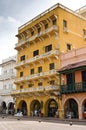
[74, 65]
[48, 10]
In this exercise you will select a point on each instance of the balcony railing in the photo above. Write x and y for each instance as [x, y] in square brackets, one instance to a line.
[73, 88]
[38, 57]
[36, 89]
[32, 38]
[36, 76]
[6, 91]
[7, 76]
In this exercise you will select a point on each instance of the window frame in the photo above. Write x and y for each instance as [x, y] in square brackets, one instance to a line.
[48, 48]
[32, 71]
[35, 53]
[51, 66]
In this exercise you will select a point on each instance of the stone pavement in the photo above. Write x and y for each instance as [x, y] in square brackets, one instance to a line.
[17, 123]
[35, 125]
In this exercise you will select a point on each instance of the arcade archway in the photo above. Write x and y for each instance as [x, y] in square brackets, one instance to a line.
[71, 109]
[22, 107]
[3, 107]
[52, 108]
[35, 108]
[84, 109]
[11, 109]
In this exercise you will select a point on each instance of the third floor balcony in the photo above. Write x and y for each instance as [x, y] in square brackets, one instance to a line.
[38, 57]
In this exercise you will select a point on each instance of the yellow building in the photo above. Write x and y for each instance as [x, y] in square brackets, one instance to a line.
[40, 42]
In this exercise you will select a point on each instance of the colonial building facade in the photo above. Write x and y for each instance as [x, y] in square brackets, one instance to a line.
[40, 42]
[73, 83]
[7, 85]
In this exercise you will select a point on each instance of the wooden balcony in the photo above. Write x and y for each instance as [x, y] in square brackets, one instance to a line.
[73, 88]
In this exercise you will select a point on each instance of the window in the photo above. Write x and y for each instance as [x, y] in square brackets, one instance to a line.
[40, 84]
[36, 52]
[39, 30]
[21, 87]
[52, 82]
[5, 72]
[54, 22]
[40, 69]
[32, 71]
[68, 47]
[84, 76]
[84, 31]
[64, 24]
[46, 25]
[51, 66]
[22, 58]
[32, 33]
[48, 48]
[69, 78]
[30, 85]
[11, 71]
[21, 74]
[4, 86]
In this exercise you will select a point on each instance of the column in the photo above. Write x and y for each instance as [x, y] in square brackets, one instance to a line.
[80, 112]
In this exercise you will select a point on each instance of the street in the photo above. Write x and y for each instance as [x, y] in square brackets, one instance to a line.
[15, 124]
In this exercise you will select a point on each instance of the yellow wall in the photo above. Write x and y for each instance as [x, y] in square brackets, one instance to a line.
[74, 36]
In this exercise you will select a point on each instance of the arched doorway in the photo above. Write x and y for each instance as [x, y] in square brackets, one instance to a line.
[35, 108]
[84, 109]
[11, 109]
[52, 108]
[3, 107]
[71, 109]
[22, 107]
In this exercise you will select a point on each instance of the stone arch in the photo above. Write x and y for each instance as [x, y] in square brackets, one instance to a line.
[22, 106]
[71, 108]
[3, 107]
[11, 108]
[84, 109]
[51, 107]
[35, 107]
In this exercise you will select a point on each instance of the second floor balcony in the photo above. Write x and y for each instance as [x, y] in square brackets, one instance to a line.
[5, 92]
[34, 90]
[36, 76]
[73, 88]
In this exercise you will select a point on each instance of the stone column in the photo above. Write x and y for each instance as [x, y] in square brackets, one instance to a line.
[80, 111]
[28, 109]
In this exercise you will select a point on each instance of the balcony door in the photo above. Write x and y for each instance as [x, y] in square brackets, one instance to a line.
[84, 79]
[70, 81]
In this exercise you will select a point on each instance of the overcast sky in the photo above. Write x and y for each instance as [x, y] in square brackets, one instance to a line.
[14, 13]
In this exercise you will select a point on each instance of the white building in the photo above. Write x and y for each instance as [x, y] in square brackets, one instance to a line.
[7, 85]
[82, 11]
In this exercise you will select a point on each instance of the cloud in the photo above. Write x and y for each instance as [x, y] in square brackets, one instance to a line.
[1, 19]
[11, 19]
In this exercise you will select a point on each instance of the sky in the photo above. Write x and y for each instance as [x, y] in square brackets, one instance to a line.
[14, 13]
